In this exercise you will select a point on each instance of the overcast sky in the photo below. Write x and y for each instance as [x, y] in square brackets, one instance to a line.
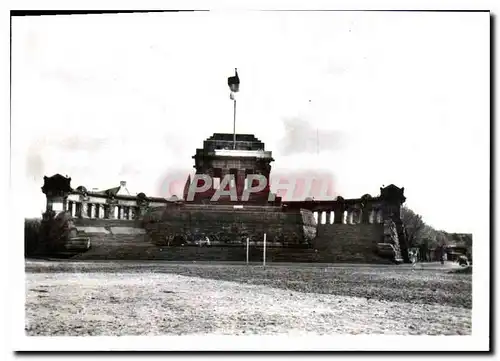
[365, 99]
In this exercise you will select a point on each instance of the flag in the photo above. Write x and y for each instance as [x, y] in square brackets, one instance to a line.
[234, 84]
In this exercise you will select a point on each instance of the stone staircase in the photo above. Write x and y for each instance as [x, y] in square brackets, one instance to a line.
[335, 243]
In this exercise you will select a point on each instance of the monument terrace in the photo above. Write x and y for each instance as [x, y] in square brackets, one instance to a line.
[112, 224]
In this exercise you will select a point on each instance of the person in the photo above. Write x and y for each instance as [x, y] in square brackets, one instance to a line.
[413, 257]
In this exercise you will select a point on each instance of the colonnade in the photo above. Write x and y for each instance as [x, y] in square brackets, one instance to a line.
[350, 216]
[102, 211]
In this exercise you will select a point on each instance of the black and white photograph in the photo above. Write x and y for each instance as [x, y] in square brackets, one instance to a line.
[243, 175]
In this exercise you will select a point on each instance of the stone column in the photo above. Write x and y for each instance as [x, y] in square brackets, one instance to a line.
[350, 216]
[70, 208]
[84, 210]
[327, 218]
[112, 208]
[92, 210]
[120, 214]
[353, 216]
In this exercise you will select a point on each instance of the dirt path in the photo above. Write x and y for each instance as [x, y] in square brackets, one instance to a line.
[123, 303]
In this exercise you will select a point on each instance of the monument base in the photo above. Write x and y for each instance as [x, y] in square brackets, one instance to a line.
[217, 224]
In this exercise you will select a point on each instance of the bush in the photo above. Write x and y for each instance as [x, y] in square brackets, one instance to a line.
[32, 235]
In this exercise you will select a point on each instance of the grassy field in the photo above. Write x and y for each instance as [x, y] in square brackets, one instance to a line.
[126, 298]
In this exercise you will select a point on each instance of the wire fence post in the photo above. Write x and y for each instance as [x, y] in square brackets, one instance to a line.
[247, 248]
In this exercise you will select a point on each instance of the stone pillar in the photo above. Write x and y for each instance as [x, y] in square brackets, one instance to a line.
[112, 210]
[70, 208]
[327, 217]
[120, 212]
[350, 216]
[84, 210]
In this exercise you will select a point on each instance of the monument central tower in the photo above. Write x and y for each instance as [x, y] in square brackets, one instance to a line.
[236, 156]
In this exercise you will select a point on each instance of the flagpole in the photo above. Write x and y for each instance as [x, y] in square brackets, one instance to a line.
[234, 125]
[234, 84]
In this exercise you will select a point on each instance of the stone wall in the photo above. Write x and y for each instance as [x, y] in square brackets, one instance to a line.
[129, 247]
[335, 243]
[349, 243]
[228, 225]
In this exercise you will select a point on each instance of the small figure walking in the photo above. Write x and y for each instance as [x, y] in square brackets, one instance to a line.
[413, 257]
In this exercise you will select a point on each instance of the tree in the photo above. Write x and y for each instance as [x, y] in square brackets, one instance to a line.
[427, 242]
[415, 227]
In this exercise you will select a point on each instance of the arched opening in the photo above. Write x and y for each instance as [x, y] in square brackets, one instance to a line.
[344, 218]
[323, 217]
[332, 217]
